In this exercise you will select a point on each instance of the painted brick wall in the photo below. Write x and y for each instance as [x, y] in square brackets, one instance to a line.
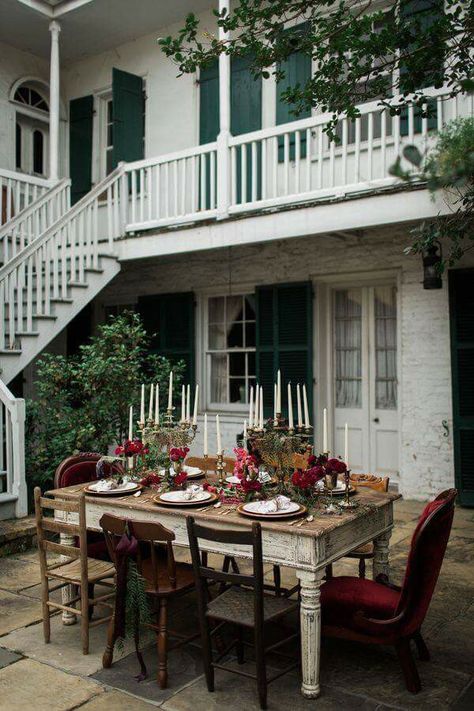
[426, 457]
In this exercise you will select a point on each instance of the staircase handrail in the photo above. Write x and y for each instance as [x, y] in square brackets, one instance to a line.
[30, 248]
[15, 222]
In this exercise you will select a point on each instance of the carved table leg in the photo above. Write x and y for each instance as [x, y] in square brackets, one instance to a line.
[380, 560]
[68, 591]
[310, 620]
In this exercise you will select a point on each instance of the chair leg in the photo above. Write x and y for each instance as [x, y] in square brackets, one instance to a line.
[329, 571]
[162, 643]
[109, 649]
[90, 593]
[277, 580]
[362, 568]
[407, 663]
[423, 651]
[207, 653]
[45, 608]
[261, 667]
[85, 618]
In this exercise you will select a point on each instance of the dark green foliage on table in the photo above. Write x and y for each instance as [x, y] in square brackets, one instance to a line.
[360, 52]
[447, 167]
[82, 402]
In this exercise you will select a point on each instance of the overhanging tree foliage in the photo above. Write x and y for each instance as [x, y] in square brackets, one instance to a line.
[360, 52]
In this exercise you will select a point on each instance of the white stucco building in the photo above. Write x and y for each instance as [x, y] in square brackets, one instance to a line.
[202, 201]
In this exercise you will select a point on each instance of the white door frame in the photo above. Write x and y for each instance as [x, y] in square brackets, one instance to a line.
[323, 286]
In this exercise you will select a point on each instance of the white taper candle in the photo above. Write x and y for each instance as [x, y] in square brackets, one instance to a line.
[278, 402]
[346, 444]
[257, 411]
[183, 402]
[142, 405]
[157, 403]
[251, 407]
[325, 430]
[130, 423]
[298, 404]
[218, 435]
[205, 435]
[196, 399]
[150, 404]
[188, 403]
[170, 391]
[261, 407]
[245, 432]
[290, 408]
[275, 401]
[305, 405]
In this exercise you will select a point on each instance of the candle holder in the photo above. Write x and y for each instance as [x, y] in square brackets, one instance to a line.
[169, 432]
[220, 469]
[347, 504]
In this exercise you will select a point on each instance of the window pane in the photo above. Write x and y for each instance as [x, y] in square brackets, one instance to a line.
[234, 309]
[218, 378]
[216, 337]
[250, 335]
[109, 161]
[216, 310]
[348, 353]
[37, 152]
[235, 337]
[251, 363]
[237, 364]
[385, 306]
[237, 390]
[250, 307]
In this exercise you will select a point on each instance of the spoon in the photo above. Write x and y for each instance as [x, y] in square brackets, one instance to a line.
[308, 519]
[137, 493]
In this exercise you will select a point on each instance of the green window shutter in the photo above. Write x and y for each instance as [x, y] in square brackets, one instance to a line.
[284, 339]
[246, 116]
[128, 113]
[461, 301]
[297, 68]
[208, 118]
[169, 321]
[81, 112]
[209, 103]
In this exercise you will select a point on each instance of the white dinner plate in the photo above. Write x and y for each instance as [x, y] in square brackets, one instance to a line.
[124, 488]
[192, 472]
[178, 497]
[255, 506]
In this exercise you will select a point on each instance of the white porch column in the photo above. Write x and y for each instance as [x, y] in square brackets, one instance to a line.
[55, 29]
[223, 153]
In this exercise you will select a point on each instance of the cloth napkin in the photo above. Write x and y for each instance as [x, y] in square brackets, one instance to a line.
[191, 492]
[279, 503]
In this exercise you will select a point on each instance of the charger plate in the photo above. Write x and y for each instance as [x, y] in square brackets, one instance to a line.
[211, 499]
[130, 488]
[273, 514]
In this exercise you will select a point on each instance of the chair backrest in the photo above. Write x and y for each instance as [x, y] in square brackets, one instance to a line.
[148, 534]
[209, 463]
[203, 573]
[370, 481]
[428, 546]
[81, 468]
[46, 525]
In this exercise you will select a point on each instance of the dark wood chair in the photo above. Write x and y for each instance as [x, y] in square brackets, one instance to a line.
[366, 551]
[375, 612]
[165, 580]
[80, 571]
[242, 604]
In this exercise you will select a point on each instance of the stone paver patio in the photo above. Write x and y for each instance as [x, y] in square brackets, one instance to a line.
[57, 677]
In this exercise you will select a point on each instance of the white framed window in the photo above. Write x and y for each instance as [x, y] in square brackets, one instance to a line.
[230, 350]
[109, 135]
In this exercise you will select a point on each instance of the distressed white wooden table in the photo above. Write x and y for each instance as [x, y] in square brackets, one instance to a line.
[307, 549]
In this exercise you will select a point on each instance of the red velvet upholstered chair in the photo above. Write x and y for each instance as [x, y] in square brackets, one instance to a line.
[79, 469]
[379, 613]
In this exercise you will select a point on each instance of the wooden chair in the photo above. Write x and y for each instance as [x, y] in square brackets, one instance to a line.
[81, 571]
[165, 580]
[366, 551]
[375, 612]
[243, 607]
[210, 463]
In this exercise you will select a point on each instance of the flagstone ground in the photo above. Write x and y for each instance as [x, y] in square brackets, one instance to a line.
[57, 677]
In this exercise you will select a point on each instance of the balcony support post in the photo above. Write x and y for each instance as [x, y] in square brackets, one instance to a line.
[54, 29]
[223, 152]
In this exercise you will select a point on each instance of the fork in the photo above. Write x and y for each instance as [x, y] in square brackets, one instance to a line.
[228, 511]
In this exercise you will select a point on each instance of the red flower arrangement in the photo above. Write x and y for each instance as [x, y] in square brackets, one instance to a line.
[178, 454]
[151, 479]
[318, 467]
[180, 479]
[131, 448]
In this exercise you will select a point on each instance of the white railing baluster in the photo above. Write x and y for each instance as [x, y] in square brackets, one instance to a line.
[175, 188]
[12, 448]
[286, 162]
[233, 175]
[344, 150]
[167, 189]
[308, 159]
[275, 167]
[297, 162]
[321, 136]
[254, 171]
[202, 202]
[212, 180]
[370, 145]
[134, 195]
[383, 139]
[95, 233]
[29, 294]
[243, 177]
[264, 169]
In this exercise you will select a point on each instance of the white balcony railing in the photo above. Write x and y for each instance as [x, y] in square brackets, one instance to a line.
[279, 165]
[12, 451]
[17, 192]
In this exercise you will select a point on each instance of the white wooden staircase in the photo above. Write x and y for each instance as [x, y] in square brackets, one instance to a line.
[56, 259]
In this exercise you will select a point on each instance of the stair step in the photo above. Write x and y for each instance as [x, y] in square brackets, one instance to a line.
[27, 334]
[94, 270]
[10, 352]
[45, 317]
[62, 301]
[80, 284]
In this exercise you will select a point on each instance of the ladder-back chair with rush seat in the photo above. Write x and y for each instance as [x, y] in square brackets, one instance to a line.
[81, 571]
[242, 604]
[375, 612]
[165, 580]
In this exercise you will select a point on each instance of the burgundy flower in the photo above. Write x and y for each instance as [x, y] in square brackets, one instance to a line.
[180, 479]
[249, 485]
[178, 454]
[316, 473]
[336, 466]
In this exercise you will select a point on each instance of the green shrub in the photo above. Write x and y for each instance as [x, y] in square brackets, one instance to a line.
[82, 402]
